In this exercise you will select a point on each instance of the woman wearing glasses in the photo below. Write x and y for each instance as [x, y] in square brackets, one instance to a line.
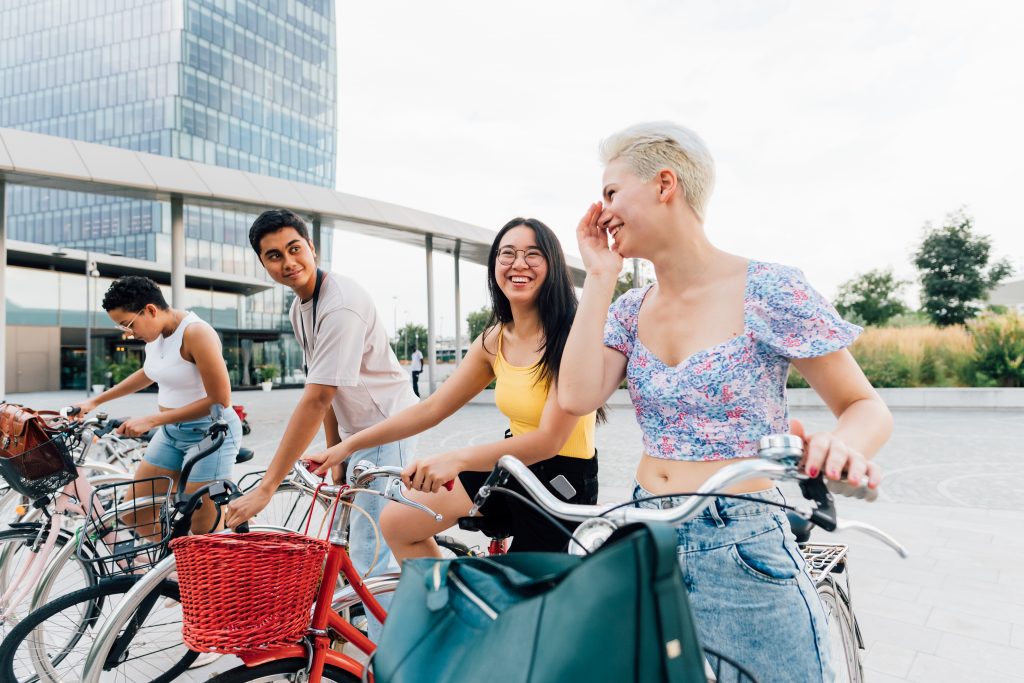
[183, 357]
[532, 304]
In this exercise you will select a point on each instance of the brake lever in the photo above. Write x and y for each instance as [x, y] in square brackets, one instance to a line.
[874, 532]
[393, 491]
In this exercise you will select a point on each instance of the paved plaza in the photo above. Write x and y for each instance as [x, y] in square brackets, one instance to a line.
[953, 493]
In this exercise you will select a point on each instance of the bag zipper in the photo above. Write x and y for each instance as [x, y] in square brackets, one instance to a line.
[473, 597]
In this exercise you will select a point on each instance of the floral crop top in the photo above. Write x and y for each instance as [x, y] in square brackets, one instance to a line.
[717, 403]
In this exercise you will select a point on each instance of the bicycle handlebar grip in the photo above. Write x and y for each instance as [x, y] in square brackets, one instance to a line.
[450, 484]
[844, 488]
[70, 411]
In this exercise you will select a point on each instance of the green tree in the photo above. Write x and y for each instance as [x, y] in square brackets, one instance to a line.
[410, 337]
[477, 321]
[873, 297]
[625, 281]
[955, 270]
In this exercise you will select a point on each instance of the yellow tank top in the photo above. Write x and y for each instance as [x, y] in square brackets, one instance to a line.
[519, 395]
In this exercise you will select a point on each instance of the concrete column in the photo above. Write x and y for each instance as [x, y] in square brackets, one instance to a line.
[177, 252]
[431, 346]
[3, 291]
[317, 232]
[458, 307]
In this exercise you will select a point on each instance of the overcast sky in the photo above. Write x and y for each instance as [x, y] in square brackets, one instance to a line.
[838, 128]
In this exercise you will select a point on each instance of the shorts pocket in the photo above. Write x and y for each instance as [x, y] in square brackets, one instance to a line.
[765, 558]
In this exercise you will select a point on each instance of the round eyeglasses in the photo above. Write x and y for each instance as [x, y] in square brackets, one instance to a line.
[533, 257]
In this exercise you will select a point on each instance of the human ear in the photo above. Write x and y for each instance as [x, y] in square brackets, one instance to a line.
[668, 184]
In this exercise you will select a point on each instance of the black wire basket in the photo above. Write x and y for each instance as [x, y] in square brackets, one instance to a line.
[726, 670]
[42, 470]
[128, 526]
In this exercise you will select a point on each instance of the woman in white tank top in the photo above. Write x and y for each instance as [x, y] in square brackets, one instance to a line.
[183, 357]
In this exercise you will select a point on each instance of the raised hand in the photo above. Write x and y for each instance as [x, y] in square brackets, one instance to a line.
[598, 256]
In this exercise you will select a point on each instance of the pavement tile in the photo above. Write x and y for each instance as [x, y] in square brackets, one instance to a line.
[950, 620]
[932, 669]
[979, 603]
[1017, 636]
[1006, 660]
[894, 608]
[890, 659]
[902, 589]
[877, 629]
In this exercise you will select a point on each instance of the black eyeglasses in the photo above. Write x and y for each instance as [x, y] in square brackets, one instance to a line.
[533, 257]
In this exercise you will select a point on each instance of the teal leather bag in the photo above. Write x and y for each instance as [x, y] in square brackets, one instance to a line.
[620, 614]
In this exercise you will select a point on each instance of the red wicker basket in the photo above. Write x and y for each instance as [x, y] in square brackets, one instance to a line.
[245, 592]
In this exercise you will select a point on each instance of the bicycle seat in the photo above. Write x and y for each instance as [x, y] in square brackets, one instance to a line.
[487, 527]
[801, 527]
[244, 455]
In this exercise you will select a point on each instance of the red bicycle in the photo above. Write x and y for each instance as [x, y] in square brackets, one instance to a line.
[317, 656]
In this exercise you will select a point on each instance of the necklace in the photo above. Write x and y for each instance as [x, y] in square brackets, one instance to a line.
[163, 337]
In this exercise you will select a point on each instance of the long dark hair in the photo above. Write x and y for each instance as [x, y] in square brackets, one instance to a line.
[556, 303]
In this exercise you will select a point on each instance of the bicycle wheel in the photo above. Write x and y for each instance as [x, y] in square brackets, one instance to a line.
[51, 643]
[351, 607]
[18, 547]
[284, 670]
[842, 632]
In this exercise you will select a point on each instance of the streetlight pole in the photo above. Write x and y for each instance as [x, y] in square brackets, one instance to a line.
[90, 268]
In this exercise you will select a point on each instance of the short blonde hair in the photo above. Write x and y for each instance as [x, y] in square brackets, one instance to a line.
[650, 147]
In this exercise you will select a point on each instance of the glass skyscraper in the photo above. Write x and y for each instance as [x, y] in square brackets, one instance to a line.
[245, 84]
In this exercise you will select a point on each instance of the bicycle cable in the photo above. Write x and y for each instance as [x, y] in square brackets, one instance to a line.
[544, 513]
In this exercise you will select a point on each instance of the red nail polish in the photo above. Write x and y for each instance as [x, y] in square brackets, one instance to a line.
[812, 472]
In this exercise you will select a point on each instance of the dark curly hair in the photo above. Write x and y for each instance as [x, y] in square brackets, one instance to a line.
[133, 293]
[272, 221]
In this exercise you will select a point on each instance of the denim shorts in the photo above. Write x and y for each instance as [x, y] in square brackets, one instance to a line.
[752, 597]
[174, 442]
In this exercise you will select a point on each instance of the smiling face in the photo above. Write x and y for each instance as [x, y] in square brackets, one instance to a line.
[630, 204]
[521, 280]
[290, 260]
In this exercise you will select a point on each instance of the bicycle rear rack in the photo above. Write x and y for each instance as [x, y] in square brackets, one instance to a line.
[824, 558]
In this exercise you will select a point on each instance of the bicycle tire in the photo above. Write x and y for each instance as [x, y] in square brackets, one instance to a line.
[842, 632]
[28, 646]
[15, 544]
[281, 670]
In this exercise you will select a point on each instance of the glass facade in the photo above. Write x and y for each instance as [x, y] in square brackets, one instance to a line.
[245, 84]
[55, 299]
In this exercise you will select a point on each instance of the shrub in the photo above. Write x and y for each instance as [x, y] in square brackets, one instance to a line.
[999, 349]
[915, 356]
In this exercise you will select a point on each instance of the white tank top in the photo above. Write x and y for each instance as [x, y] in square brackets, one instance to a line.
[178, 380]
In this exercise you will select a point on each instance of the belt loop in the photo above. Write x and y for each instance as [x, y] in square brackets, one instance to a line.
[716, 513]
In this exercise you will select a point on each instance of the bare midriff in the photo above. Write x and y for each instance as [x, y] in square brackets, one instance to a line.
[661, 476]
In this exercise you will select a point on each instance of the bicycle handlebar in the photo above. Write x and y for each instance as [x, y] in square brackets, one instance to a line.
[362, 474]
[779, 460]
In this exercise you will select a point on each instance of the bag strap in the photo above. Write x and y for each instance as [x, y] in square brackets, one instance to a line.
[677, 633]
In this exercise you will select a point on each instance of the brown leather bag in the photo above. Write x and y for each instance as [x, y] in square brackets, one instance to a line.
[25, 430]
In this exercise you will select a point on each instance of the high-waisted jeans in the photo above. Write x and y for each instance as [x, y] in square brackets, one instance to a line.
[751, 595]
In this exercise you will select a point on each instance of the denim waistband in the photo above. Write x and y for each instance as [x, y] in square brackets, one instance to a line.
[720, 507]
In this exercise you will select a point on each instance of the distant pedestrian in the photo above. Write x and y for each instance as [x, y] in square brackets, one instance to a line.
[417, 368]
